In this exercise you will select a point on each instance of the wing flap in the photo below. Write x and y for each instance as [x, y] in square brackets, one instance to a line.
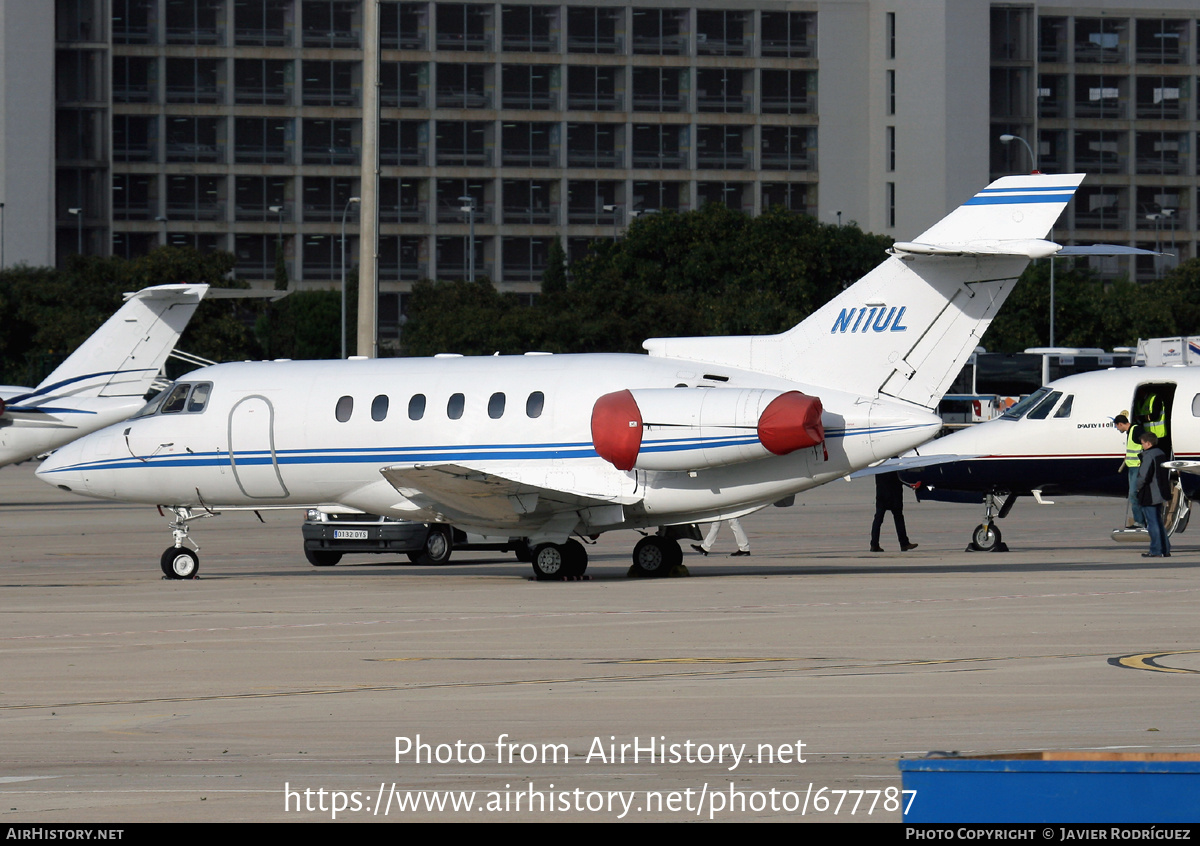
[514, 496]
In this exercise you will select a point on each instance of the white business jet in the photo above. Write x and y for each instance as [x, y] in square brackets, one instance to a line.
[104, 381]
[553, 447]
[1060, 441]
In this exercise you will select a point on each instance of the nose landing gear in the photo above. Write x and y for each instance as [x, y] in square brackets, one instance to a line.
[179, 562]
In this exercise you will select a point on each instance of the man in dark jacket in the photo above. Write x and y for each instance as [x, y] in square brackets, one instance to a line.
[1153, 490]
[889, 496]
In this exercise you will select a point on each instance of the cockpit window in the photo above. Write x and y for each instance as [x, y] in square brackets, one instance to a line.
[199, 397]
[1043, 408]
[175, 400]
[1064, 410]
[1018, 411]
[155, 401]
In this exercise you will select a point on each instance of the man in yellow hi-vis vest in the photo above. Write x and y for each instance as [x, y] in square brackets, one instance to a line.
[1131, 465]
[1152, 415]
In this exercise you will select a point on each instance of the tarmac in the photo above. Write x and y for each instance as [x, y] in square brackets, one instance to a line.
[782, 686]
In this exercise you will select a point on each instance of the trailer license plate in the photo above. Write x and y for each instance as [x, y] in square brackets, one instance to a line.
[350, 534]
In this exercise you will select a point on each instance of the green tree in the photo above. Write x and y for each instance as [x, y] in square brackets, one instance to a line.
[554, 277]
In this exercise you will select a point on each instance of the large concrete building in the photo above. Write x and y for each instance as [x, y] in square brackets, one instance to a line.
[237, 124]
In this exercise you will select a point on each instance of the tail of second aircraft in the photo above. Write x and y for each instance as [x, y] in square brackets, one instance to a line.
[907, 327]
[122, 357]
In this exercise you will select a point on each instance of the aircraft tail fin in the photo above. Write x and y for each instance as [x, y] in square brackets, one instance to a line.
[906, 328]
[122, 357]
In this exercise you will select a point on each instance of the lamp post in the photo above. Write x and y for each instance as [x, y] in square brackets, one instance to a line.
[278, 210]
[615, 210]
[1006, 138]
[78, 212]
[469, 207]
[163, 220]
[1, 236]
[345, 211]
[1156, 218]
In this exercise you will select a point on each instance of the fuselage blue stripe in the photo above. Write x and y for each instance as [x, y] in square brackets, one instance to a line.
[414, 455]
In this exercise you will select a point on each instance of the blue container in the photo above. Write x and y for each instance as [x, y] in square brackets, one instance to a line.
[1054, 787]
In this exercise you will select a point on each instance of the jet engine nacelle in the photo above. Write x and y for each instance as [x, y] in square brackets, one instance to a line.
[695, 428]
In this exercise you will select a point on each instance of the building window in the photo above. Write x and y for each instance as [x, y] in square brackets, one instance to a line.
[891, 35]
[891, 205]
[891, 148]
[891, 92]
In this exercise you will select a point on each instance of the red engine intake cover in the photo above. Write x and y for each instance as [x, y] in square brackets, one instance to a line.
[792, 421]
[617, 429]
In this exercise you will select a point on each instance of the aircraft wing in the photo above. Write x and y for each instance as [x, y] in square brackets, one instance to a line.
[908, 462]
[519, 495]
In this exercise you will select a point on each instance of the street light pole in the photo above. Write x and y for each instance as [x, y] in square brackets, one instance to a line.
[1, 236]
[78, 212]
[615, 208]
[345, 211]
[1006, 138]
[469, 208]
[278, 210]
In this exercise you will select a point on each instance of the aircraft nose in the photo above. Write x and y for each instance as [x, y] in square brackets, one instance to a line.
[63, 469]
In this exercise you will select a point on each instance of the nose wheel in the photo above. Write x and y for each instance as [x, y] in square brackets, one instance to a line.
[179, 562]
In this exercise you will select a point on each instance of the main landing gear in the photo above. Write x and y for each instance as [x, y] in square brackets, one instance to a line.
[986, 537]
[559, 560]
[179, 562]
[655, 556]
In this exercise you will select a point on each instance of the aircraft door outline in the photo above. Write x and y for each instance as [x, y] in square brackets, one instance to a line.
[252, 428]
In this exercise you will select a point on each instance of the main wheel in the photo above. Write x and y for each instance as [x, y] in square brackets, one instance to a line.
[180, 563]
[322, 557]
[654, 556]
[576, 559]
[438, 547]
[986, 537]
[549, 561]
[523, 551]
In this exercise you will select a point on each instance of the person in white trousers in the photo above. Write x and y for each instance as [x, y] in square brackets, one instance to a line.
[739, 535]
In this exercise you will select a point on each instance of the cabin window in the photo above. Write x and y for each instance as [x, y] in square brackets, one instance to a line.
[1064, 410]
[1195, 405]
[496, 406]
[416, 407]
[454, 408]
[535, 403]
[176, 399]
[379, 407]
[1043, 408]
[345, 407]
[199, 397]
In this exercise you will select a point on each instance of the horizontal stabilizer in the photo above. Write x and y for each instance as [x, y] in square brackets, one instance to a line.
[1030, 248]
[1183, 466]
